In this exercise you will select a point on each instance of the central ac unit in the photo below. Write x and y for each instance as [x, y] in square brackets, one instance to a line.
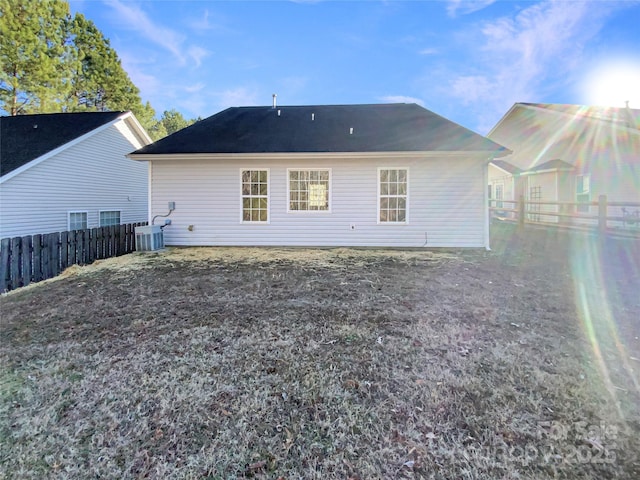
[149, 238]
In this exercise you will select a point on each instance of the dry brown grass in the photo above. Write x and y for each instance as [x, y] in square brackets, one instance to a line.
[340, 363]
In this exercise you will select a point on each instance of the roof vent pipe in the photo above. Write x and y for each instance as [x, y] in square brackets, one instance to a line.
[313, 117]
[274, 100]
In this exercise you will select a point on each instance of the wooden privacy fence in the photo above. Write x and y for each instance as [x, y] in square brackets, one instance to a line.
[602, 216]
[32, 258]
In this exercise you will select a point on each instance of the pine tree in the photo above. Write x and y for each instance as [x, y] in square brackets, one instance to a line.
[174, 121]
[34, 55]
[54, 63]
[99, 82]
[146, 115]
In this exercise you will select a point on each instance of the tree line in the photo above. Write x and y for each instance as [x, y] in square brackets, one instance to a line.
[54, 62]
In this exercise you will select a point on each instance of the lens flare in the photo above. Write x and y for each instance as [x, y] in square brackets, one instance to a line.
[614, 83]
[595, 295]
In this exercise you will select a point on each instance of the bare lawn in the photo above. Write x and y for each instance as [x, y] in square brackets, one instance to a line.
[522, 362]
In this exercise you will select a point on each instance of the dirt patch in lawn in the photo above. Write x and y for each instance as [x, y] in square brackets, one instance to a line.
[339, 363]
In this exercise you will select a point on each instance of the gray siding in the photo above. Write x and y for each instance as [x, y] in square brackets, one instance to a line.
[446, 204]
[91, 175]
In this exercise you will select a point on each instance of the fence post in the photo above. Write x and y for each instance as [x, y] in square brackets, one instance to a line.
[27, 260]
[37, 258]
[5, 258]
[64, 250]
[602, 214]
[521, 213]
[54, 245]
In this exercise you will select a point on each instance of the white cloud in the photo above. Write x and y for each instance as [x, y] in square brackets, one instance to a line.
[428, 51]
[472, 89]
[401, 99]
[238, 97]
[202, 22]
[195, 106]
[197, 54]
[194, 88]
[139, 74]
[138, 20]
[466, 6]
[540, 45]
[171, 40]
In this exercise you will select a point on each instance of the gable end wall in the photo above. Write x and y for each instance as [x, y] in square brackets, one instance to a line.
[90, 176]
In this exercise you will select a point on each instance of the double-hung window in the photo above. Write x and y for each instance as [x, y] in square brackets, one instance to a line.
[77, 220]
[109, 217]
[309, 190]
[499, 195]
[583, 192]
[393, 187]
[255, 196]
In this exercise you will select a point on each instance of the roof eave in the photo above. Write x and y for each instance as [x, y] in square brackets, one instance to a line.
[503, 119]
[547, 170]
[515, 172]
[137, 126]
[316, 155]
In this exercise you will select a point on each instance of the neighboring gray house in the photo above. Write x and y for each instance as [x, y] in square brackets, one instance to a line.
[567, 153]
[391, 175]
[67, 171]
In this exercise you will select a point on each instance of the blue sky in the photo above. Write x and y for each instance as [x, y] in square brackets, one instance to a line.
[469, 61]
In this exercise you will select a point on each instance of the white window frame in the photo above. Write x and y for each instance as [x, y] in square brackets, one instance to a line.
[70, 212]
[587, 191]
[268, 196]
[100, 212]
[499, 195]
[329, 193]
[406, 197]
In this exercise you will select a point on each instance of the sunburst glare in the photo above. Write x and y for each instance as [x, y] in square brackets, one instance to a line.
[614, 83]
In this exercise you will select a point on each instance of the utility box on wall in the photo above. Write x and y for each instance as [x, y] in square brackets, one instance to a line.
[149, 238]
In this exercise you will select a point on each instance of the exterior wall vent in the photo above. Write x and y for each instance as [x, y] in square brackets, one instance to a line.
[149, 238]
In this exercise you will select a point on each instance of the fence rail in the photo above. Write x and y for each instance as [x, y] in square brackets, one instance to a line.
[33, 258]
[602, 216]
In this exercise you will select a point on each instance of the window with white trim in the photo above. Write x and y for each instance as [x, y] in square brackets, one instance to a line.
[309, 190]
[109, 217]
[583, 192]
[392, 195]
[499, 195]
[77, 220]
[255, 195]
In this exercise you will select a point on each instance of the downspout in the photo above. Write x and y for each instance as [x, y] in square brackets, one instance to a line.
[149, 195]
[485, 176]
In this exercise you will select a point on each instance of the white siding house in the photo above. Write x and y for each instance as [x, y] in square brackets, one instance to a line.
[571, 154]
[84, 182]
[445, 202]
[412, 198]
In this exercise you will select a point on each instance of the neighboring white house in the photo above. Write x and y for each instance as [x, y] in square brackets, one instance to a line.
[568, 153]
[394, 175]
[68, 171]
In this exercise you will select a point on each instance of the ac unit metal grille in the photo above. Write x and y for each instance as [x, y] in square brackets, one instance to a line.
[149, 238]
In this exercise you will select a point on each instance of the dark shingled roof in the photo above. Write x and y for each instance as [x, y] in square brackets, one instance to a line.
[26, 137]
[323, 128]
